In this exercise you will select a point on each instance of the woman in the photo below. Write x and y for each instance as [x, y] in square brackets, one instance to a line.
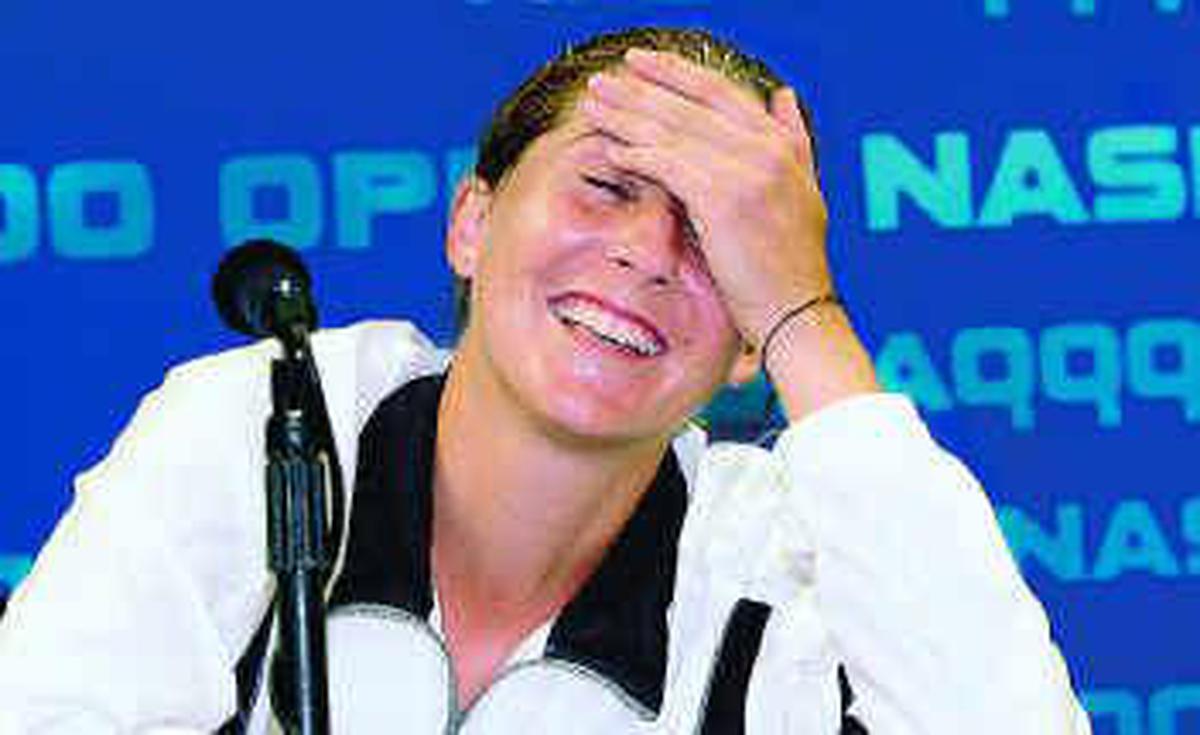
[536, 539]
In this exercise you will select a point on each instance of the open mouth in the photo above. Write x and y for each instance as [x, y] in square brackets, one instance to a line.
[611, 325]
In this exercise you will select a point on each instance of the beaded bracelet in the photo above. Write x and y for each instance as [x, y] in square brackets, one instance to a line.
[828, 297]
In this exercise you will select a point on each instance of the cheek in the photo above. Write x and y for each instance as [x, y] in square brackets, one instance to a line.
[714, 335]
[533, 238]
[707, 302]
[572, 222]
[588, 208]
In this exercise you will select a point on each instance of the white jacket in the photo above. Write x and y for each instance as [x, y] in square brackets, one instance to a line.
[855, 541]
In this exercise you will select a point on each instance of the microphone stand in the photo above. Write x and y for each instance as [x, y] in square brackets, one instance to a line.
[262, 288]
[296, 538]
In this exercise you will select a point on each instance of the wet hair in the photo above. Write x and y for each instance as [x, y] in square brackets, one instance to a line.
[547, 97]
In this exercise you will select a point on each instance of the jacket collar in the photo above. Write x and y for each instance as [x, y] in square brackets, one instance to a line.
[616, 625]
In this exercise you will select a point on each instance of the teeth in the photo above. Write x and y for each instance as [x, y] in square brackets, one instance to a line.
[607, 326]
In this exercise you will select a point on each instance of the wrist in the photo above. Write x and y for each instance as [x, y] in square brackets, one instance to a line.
[815, 358]
[800, 311]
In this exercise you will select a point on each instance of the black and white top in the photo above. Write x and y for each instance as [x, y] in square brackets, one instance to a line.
[726, 605]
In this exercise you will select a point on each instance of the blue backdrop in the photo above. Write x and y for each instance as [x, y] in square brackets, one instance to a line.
[1014, 188]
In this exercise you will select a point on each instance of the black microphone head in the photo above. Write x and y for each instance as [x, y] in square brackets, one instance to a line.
[260, 284]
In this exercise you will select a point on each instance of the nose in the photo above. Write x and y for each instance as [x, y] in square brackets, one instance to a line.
[650, 240]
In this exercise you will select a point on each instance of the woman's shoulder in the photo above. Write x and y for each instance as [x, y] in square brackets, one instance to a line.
[212, 408]
[359, 364]
[381, 348]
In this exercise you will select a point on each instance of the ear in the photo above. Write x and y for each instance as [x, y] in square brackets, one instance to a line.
[745, 365]
[465, 234]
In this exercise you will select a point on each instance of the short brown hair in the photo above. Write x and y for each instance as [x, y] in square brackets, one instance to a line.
[550, 93]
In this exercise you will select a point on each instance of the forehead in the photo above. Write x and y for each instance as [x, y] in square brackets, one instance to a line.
[573, 144]
[571, 139]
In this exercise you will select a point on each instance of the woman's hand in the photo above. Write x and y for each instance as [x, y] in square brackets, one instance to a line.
[744, 174]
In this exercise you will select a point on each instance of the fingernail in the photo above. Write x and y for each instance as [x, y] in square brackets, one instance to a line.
[599, 80]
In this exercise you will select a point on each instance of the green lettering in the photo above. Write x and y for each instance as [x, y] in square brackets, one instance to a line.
[14, 568]
[1121, 705]
[1169, 703]
[1058, 549]
[1189, 521]
[1100, 385]
[370, 183]
[1136, 162]
[904, 365]
[132, 231]
[459, 163]
[1031, 180]
[1134, 541]
[1195, 158]
[1147, 378]
[1012, 388]
[19, 201]
[296, 175]
[995, 8]
[891, 170]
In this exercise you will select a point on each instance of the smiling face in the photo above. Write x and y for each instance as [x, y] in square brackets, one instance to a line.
[591, 308]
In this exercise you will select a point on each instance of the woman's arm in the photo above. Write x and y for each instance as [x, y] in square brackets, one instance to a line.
[937, 628]
[939, 631]
[139, 604]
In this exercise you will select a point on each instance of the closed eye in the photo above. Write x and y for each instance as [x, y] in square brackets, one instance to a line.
[621, 190]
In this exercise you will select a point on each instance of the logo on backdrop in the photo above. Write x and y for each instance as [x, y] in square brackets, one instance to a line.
[1089, 543]
[1164, 711]
[593, 3]
[105, 210]
[1013, 371]
[1135, 173]
[1085, 8]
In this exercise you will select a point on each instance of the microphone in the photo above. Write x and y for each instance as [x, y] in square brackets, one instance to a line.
[261, 288]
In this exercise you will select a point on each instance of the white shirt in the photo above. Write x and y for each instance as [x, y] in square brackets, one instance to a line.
[872, 546]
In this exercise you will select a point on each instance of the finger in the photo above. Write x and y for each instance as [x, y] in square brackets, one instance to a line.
[695, 182]
[732, 144]
[785, 108]
[706, 86]
[670, 172]
[625, 126]
[674, 111]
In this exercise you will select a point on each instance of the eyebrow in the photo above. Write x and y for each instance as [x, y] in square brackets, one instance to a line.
[676, 203]
[594, 133]
[607, 136]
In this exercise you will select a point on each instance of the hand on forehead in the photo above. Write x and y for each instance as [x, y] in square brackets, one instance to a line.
[741, 169]
[695, 82]
[677, 97]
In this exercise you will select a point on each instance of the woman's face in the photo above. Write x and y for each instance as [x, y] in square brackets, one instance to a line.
[590, 304]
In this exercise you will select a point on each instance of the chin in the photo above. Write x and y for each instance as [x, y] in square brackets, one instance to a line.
[595, 421]
[583, 395]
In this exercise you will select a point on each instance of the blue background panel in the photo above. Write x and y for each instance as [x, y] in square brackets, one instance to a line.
[1014, 189]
